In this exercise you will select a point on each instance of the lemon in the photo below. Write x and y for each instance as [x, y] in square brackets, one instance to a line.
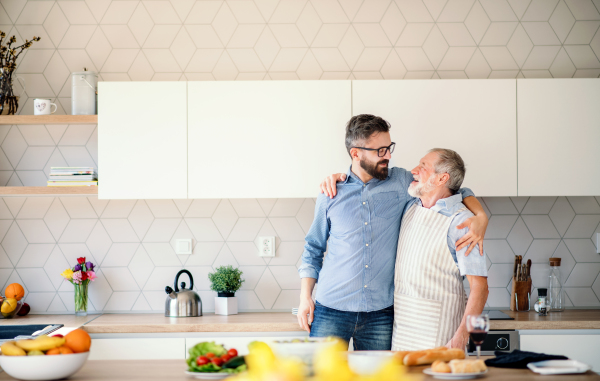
[8, 306]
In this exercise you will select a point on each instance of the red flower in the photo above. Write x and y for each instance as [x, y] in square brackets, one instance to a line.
[84, 276]
[81, 260]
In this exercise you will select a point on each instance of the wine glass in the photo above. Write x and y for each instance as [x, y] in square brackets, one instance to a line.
[478, 327]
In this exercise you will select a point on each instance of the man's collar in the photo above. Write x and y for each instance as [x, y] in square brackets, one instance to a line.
[350, 174]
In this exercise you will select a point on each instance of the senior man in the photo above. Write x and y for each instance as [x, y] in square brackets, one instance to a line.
[429, 297]
[359, 229]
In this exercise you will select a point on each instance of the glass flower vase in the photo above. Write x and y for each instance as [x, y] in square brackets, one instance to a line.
[81, 299]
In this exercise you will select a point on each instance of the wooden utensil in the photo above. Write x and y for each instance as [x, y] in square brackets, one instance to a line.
[528, 269]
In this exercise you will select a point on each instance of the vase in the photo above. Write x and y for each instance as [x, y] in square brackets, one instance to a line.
[81, 299]
[226, 305]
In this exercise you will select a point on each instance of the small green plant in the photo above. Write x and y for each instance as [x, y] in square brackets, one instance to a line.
[226, 280]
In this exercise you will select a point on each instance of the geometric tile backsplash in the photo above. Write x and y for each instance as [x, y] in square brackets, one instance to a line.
[132, 240]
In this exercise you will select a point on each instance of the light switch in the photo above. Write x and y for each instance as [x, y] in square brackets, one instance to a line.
[183, 246]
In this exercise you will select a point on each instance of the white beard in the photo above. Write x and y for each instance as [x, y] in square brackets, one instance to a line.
[419, 189]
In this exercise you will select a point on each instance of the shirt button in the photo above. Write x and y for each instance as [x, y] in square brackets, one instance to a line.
[365, 286]
[367, 266]
[365, 223]
[364, 203]
[367, 244]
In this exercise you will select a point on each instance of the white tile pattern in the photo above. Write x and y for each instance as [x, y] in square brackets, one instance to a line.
[254, 40]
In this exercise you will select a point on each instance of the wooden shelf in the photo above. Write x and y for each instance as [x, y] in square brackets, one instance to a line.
[48, 119]
[28, 191]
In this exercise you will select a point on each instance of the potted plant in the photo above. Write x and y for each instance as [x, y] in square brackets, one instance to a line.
[226, 281]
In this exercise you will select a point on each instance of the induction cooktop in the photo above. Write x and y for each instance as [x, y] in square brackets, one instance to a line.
[498, 315]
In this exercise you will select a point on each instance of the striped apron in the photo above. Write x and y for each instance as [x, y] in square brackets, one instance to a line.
[429, 297]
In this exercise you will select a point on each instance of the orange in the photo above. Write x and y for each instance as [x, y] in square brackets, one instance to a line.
[14, 291]
[78, 340]
[60, 351]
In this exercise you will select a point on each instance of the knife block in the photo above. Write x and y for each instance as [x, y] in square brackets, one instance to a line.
[520, 295]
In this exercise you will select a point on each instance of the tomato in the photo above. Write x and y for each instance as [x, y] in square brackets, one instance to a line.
[232, 352]
[202, 360]
[226, 357]
[217, 361]
[210, 355]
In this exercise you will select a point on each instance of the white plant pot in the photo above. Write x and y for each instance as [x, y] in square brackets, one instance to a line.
[226, 305]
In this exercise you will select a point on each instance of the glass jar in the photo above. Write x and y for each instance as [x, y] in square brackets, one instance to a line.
[556, 298]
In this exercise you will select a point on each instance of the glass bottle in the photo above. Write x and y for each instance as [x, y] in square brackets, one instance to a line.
[555, 289]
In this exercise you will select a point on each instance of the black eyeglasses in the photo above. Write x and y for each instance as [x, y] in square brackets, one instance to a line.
[380, 151]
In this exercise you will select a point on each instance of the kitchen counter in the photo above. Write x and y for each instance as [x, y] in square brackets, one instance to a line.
[276, 322]
[173, 370]
[286, 322]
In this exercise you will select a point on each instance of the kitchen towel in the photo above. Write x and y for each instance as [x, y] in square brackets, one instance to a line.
[519, 359]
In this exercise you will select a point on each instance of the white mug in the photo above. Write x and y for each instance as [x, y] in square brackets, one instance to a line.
[43, 106]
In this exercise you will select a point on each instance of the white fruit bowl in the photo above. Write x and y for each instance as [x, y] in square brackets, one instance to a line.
[367, 363]
[43, 367]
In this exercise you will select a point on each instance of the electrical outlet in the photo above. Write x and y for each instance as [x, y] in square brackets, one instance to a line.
[183, 246]
[266, 246]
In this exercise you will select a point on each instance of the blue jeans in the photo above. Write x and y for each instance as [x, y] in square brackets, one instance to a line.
[369, 330]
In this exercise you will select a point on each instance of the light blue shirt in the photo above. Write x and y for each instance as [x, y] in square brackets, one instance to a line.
[474, 264]
[362, 224]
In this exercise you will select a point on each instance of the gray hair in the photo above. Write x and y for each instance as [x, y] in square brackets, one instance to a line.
[451, 163]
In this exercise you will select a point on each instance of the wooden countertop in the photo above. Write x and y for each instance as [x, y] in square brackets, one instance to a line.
[276, 322]
[173, 370]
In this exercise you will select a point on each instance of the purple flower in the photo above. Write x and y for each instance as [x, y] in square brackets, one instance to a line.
[89, 266]
[77, 268]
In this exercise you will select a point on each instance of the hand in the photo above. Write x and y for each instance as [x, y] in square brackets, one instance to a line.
[458, 341]
[307, 307]
[477, 226]
[329, 187]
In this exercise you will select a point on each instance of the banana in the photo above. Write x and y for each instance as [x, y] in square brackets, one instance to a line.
[41, 343]
[10, 349]
[35, 353]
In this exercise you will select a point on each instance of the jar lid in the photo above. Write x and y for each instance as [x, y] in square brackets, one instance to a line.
[542, 291]
[554, 261]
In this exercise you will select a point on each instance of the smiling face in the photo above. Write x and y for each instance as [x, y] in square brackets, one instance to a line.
[425, 178]
[374, 165]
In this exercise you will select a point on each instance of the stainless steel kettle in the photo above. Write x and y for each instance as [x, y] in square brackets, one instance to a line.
[184, 302]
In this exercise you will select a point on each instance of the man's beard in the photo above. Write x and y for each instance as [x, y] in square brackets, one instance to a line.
[419, 189]
[373, 169]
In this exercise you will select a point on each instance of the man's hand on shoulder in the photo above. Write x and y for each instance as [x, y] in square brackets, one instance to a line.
[329, 187]
[477, 226]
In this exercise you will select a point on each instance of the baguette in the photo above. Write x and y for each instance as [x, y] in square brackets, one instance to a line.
[400, 356]
[440, 367]
[467, 366]
[429, 356]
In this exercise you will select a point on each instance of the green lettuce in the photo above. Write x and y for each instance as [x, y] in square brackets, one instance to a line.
[201, 349]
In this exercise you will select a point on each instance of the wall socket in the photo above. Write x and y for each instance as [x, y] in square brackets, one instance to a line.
[266, 246]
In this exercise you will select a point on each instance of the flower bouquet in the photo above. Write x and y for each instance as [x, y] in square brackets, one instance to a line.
[80, 276]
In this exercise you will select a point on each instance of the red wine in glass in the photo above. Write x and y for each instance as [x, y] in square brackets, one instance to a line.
[478, 327]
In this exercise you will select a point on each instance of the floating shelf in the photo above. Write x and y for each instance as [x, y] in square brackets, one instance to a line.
[48, 119]
[28, 191]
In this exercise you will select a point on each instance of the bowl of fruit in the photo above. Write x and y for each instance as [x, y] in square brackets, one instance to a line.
[208, 360]
[303, 348]
[11, 303]
[46, 357]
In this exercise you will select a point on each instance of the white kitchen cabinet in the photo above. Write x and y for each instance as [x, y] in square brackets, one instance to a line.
[265, 139]
[476, 118]
[581, 345]
[142, 140]
[559, 137]
[138, 349]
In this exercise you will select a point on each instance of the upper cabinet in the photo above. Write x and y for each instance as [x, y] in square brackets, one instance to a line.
[559, 135]
[476, 118]
[266, 138]
[142, 140]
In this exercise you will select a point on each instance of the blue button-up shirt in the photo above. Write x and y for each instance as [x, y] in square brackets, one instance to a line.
[362, 224]
[474, 264]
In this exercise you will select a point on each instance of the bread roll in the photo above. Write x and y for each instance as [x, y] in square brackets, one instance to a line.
[440, 367]
[400, 356]
[467, 366]
[429, 356]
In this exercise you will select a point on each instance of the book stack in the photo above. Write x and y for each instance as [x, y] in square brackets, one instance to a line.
[72, 177]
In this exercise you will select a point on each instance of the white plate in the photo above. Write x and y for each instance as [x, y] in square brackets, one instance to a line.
[454, 376]
[208, 376]
[559, 367]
